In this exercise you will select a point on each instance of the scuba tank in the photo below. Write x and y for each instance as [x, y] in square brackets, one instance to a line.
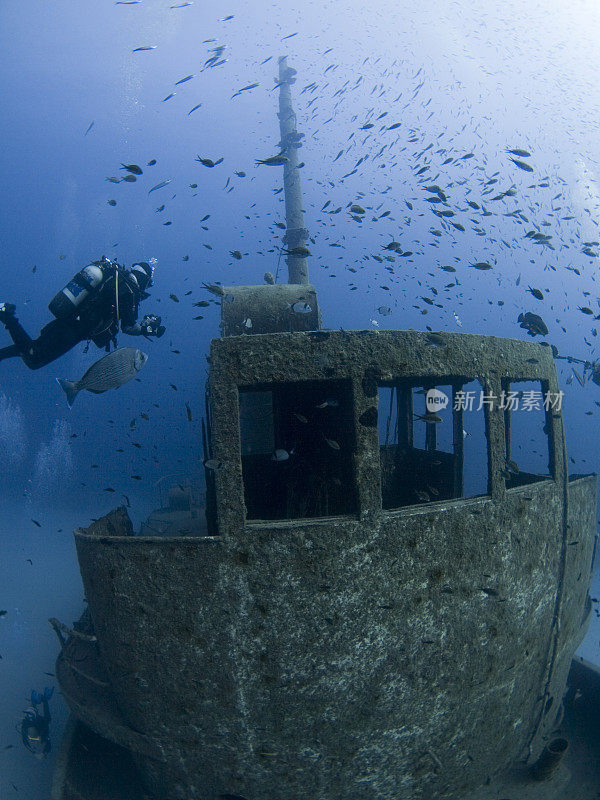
[69, 300]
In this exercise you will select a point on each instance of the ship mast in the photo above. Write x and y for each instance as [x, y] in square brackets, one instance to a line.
[296, 234]
[281, 307]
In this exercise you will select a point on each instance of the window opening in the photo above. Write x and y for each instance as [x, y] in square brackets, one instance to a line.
[423, 439]
[528, 409]
[297, 446]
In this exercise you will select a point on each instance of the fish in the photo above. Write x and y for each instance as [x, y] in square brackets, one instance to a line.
[522, 165]
[299, 307]
[195, 108]
[129, 178]
[240, 173]
[215, 289]
[213, 463]
[112, 202]
[169, 96]
[356, 209]
[90, 126]
[3, 613]
[430, 416]
[207, 162]
[537, 293]
[183, 80]
[160, 185]
[329, 403]
[142, 49]
[188, 411]
[482, 265]
[518, 152]
[109, 372]
[245, 89]
[300, 250]
[236, 254]
[273, 161]
[580, 380]
[280, 455]
[436, 339]
[533, 324]
[384, 310]
[151, 163]
[174, 298]
[132, 168]
[394, 246]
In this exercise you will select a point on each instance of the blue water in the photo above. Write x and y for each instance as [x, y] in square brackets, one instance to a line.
[463, 76]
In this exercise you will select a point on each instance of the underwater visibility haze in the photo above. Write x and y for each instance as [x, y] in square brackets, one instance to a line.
[450, 171]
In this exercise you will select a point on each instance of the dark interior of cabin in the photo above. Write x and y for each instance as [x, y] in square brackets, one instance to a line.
[297, 450]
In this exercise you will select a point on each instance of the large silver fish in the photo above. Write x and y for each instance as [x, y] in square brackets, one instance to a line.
[109, 372]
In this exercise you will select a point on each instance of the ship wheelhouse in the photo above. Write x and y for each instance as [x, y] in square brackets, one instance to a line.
[381, 583]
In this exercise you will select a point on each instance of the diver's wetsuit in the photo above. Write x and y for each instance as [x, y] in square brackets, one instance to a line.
[97, 321]
[35, 727]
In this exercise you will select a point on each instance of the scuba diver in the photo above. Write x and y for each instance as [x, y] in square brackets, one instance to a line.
[35, 727]
[98, 300]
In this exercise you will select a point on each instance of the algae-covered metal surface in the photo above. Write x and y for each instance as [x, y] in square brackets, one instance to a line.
[406, 653]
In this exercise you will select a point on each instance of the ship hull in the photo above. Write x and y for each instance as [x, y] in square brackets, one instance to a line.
[82, 773]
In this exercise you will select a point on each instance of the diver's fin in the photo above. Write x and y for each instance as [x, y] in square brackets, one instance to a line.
[69, 388]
